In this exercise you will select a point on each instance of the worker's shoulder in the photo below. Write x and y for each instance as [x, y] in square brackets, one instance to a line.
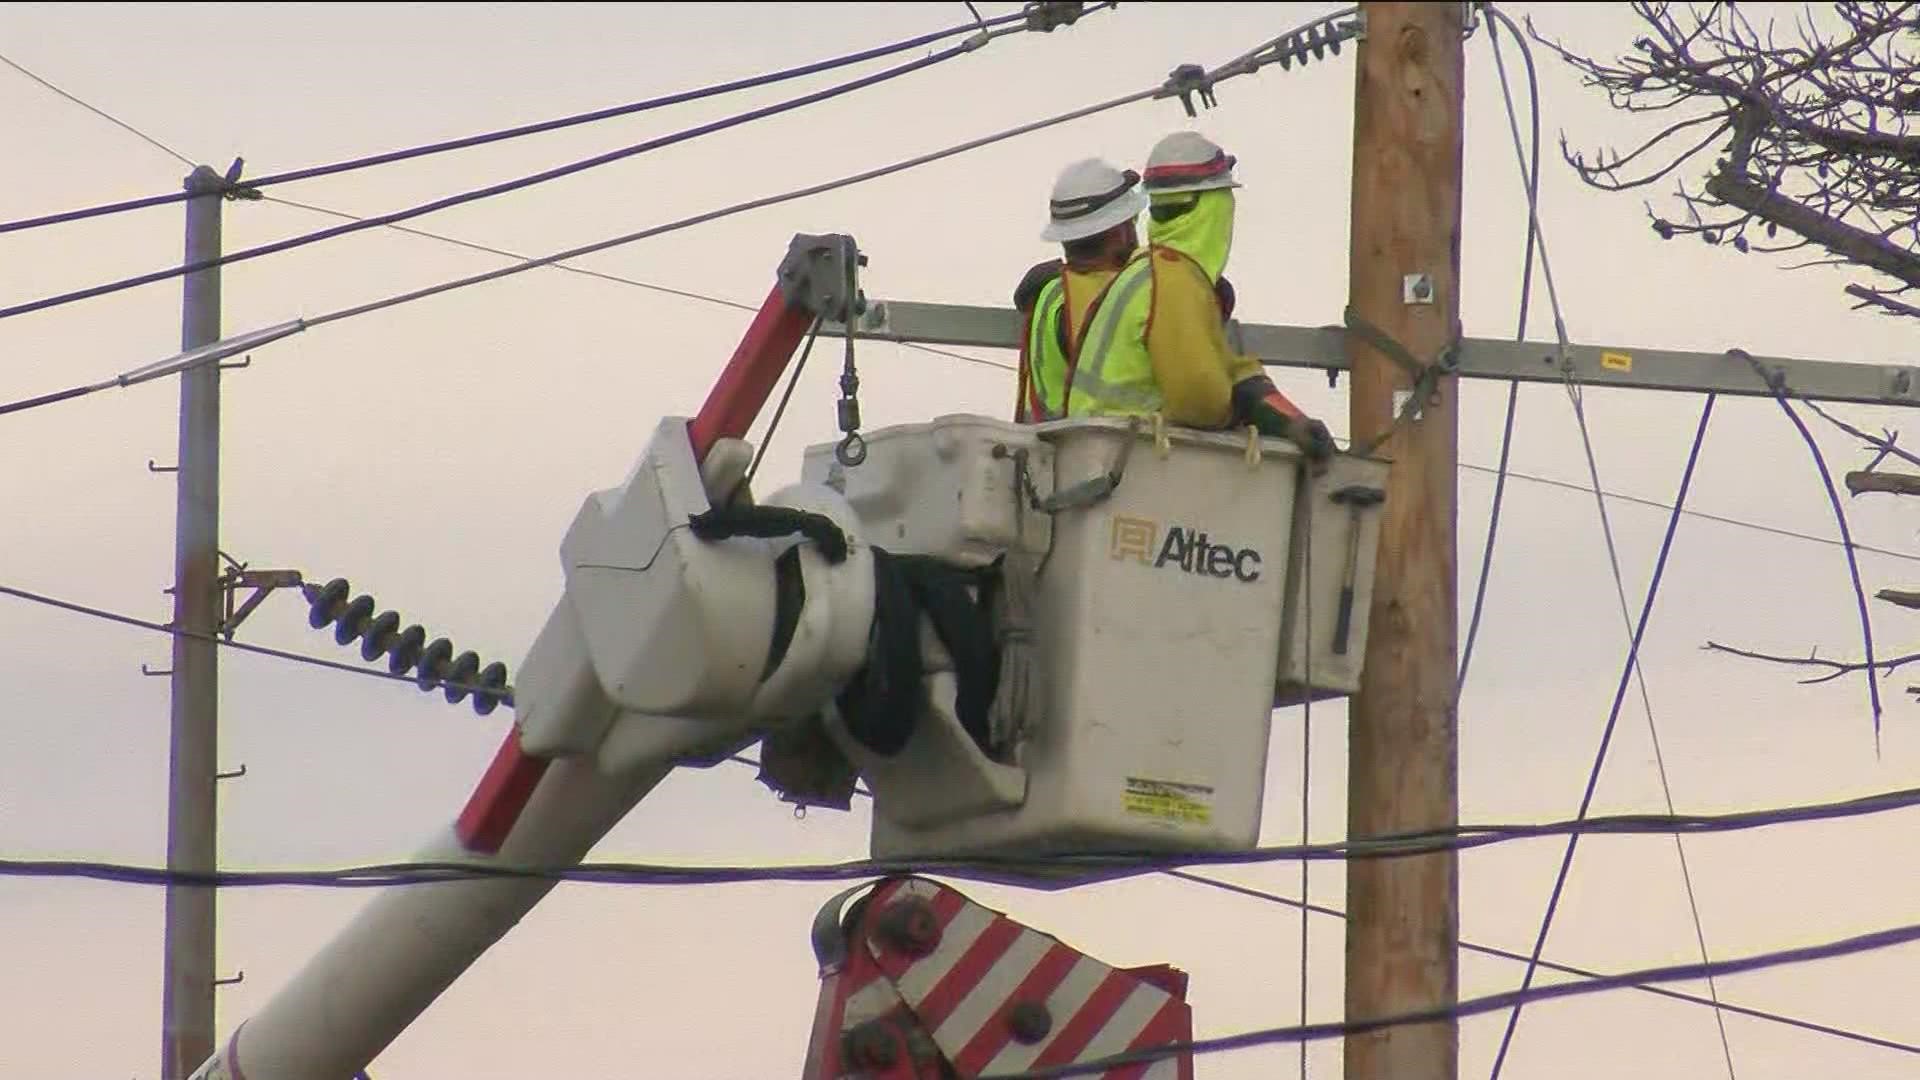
[1171, 266]
[1027, 293]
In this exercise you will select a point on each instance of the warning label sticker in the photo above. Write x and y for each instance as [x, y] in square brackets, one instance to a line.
[1185, 804]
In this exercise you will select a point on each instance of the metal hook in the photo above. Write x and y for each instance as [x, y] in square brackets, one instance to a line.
[233, 775]
[247, 363]
[238, 978]
[851, 451]
[152, 467]
[145, 670]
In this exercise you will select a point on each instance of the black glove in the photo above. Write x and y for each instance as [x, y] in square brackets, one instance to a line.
[1252, 405]
[1315, 439]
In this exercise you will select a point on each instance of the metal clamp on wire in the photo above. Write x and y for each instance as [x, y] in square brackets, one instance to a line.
[1186, 82]
[1050, 15]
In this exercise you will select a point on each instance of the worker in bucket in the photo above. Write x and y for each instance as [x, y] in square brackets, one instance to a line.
[1157, 342]
[1092, 215]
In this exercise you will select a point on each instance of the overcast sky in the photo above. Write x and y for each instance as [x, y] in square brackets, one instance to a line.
[434, 454]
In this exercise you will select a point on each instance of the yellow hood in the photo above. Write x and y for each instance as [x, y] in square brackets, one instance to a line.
[1204, 233]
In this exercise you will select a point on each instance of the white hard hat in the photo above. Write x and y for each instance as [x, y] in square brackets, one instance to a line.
[1188, 161]
[1091, 197]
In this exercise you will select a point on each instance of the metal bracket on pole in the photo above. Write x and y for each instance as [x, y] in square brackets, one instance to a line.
[233, 774]
[238, 978]
[262, 582]
[153, 672]
[156, 468]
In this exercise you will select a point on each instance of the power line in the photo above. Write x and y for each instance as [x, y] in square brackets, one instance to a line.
[1851, 946]
[456, 241]
[1530, 176]
[109, 118]
[1635, 631]
[508, 186]
[484, 138]
[261, 650]
[1564, 969]
[1181, 84]
[978, 867]
[1780, 393]
[737, 208]
[668, 290]
[1742, 523]
[1389, 846]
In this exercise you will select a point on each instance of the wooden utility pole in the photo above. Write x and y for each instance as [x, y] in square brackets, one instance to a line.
[187, 996]
[1403, 750]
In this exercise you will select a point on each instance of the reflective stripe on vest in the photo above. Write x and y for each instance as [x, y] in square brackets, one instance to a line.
[1046, 363]
[1115, 374]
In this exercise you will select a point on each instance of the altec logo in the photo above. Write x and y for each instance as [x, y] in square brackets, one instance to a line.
[1139, 540]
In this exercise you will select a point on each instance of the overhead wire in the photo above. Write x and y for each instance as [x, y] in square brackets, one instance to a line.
[500, 135]
[1530, 176]
[618, 279]
[1388, 846]
[1306, 766]
[505, 692]
[516, 184]
[1088, 866]
[1306, 907]
[1178, 85]
[1501, 472]
[1655, 504]
[1564, 969]
[1780, 392]
[1891, 937]
[1733, 521]
[104, 115]
[1633, 669]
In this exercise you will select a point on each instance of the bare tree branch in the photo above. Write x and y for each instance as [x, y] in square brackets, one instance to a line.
[1834, 668]
[1879, 483]
[1845, 241]
[1817, 118]
[1874, 298]
[1882, 443]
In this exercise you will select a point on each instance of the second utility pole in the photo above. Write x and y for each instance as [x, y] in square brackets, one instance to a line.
[187, 995]
[1403, 749]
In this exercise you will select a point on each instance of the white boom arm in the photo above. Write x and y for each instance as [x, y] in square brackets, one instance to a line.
[666, 647]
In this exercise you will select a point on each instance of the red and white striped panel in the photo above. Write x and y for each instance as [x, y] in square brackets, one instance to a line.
[985, 964]
[851, 996]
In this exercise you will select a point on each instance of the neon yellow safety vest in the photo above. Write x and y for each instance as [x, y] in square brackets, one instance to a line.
[1115, 374]
[1046, 361]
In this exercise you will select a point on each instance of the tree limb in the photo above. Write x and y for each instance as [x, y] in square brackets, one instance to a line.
[1847, 241]
[1900, 598]
[1835, 668]
[1872, 298]
[1879, 483]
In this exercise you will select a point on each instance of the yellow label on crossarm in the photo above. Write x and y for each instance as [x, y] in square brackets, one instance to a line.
[1164, 800]
[1616, 361]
